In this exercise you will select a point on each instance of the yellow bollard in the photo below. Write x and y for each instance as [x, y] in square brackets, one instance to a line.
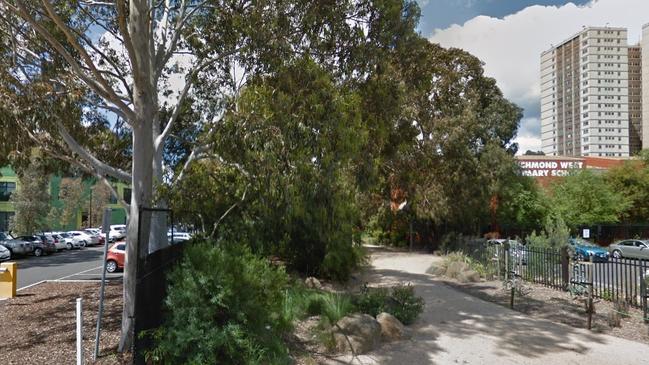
[8, 280]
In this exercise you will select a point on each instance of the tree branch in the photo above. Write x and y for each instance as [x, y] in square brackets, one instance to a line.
[76, 68]
[216, 225]
[101, 167]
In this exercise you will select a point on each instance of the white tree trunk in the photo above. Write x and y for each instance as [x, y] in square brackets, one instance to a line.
[145, 108]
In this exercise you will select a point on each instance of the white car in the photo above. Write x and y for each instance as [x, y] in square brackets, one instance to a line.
[5, 254]
[178, 237]
[83, 238]
[68, 240]
[59, 242]
[117, 232]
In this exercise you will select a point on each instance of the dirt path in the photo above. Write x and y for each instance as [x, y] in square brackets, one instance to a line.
[456, 328]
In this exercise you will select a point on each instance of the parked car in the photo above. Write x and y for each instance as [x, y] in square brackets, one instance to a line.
[178, 237]
[83, 238]
[115, 257]
[52, 240]
[95, 233]
[18, 246]
[636, 249]
[59, 241]
[69, 241]
[583, 250]
[5, 254]
[40, 246]
[4, 236]
[117, 232]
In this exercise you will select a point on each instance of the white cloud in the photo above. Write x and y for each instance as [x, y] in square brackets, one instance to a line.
[528, 143]
[510, 47]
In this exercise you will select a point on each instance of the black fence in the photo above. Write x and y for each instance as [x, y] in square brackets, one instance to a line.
[151, 286]
[611, 279]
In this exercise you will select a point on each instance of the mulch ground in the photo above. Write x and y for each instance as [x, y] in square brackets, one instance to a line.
[559, 306]
[39, 325]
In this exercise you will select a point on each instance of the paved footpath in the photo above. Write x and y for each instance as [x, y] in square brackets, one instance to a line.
[456, 328]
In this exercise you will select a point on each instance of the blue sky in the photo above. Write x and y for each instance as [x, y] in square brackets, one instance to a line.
[443, 13]
[508, 36]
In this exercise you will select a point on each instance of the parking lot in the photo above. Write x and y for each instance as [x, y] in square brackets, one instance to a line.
[78, 264]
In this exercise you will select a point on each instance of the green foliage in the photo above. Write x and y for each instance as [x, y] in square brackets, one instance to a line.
[31, 200]
[225, 306]
[372, 300]
[631, 180]
[522, 204]
[400, 301]
[554, 235]
[584, 198]
[408, 306]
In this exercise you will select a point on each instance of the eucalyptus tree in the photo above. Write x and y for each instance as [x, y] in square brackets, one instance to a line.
[102, 84]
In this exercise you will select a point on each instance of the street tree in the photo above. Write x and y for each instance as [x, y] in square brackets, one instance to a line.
[584, 198]
[631, 180]
[31, 200]
[90, 82]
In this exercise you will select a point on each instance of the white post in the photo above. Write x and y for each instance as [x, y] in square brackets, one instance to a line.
[79, 333]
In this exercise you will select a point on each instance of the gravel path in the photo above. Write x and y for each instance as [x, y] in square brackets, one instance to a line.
[456, 328]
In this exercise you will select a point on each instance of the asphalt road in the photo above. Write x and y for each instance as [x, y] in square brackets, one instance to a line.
[84, 264]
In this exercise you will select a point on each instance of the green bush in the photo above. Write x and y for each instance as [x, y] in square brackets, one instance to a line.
[226, 306]
[400, 301]
[408, 306]
[372, 301]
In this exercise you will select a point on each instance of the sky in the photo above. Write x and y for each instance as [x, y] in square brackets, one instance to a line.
[509, 36]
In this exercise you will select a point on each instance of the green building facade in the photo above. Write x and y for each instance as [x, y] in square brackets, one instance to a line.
[9, 182]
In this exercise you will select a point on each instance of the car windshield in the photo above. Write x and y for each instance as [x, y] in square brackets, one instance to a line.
[583, 242]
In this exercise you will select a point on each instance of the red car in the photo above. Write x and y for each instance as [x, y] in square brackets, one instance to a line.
[115, 257]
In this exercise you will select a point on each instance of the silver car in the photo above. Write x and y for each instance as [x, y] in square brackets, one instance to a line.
[18, 246]
[637, 249]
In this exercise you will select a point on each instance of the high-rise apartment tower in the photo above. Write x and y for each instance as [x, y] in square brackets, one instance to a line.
[585, 94]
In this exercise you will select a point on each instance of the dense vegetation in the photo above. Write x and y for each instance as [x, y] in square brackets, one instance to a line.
[228, 306]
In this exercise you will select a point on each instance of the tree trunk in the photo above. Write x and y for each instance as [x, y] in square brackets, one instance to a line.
[145, 108]
[138, 226]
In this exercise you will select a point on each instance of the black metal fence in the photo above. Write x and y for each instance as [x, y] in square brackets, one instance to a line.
[612, 279]
[151, 287]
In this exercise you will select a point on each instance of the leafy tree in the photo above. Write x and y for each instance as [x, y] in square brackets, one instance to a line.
[523, 204]
[31, 200]
[455, 118]
[73, 199]
[103, 105]
[584, 198]
[631, 180]
[100, 195]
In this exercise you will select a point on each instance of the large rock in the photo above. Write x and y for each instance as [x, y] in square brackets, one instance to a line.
[391, 327]
[358, 333]
[312, 283]
[468, 276]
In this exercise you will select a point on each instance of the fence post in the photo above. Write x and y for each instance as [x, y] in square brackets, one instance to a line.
[589, 304]
[565, 267]
[79, 333]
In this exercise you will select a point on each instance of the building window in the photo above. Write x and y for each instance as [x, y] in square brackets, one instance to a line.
[5, 218]
[127, 195]
[6, 188]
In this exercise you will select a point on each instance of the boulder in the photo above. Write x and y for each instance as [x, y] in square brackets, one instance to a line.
[358, 333]
[468, 276]
[391, 327]
[312, 283]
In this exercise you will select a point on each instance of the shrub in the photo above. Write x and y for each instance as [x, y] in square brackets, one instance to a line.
[408, 306]
[225, 306]
[400, 301]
